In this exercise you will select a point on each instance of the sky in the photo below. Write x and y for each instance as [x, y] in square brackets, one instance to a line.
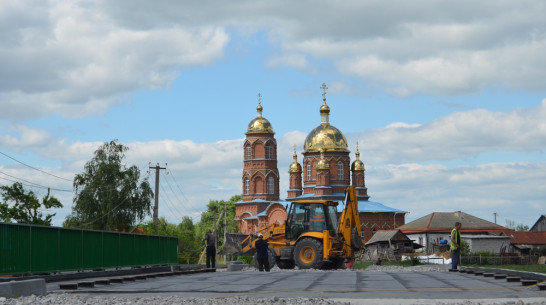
[447, 100]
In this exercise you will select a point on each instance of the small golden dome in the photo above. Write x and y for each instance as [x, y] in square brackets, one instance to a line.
[323, 163]
[295, 167]
[358, 165]
[324, 108]
[259, 124]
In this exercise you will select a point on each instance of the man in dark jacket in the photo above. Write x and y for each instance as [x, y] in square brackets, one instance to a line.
[211, 249]
[262, 255]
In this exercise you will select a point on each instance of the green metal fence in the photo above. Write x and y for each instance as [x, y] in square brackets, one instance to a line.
[38, 249]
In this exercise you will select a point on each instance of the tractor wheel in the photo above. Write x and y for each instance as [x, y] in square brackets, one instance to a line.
[308, 254]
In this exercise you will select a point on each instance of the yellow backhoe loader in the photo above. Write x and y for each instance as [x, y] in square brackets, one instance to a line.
[314, 235]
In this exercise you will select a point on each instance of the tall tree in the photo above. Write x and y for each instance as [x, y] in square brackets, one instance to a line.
[109, 195]
[26, 207]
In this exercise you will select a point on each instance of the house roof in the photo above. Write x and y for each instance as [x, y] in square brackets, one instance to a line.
[526, 238]
[538, 221]
[387, 235]
[442, 222]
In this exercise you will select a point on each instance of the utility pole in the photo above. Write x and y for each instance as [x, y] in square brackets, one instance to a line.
[225, 223]
[156, 195]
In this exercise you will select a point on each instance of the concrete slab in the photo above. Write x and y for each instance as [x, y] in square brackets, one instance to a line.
[528, 282]
[86, 284]
[329, 284]
[15, 289]
[68, 286]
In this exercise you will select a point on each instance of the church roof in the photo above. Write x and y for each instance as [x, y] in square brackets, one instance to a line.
[257, 200]
[376, 207]
[364, 206]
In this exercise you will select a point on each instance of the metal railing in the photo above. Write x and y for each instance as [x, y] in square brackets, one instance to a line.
[499, 260]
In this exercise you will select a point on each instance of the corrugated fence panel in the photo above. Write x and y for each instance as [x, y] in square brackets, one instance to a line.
[39, 249]
[141, 247]
[154, 249]
[111, 251]
[92, 249]
[44, 249]
[15, 248]
[71, 245]
[127, 250]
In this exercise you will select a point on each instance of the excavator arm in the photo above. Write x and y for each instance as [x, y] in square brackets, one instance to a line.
[349, 224]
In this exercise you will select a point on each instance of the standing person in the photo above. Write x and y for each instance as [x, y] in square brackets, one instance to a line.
[211, 249]
[455, 245]
[262, 254]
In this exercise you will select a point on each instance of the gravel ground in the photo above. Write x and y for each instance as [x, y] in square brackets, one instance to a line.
[72, 299]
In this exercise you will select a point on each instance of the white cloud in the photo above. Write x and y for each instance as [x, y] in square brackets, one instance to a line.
[76, 61]
[456, 136]
[513, 189]
[22, 136]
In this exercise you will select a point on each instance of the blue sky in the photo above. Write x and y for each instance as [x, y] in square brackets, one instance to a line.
[446, 100]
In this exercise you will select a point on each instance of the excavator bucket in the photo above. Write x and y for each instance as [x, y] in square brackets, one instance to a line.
[233, 244]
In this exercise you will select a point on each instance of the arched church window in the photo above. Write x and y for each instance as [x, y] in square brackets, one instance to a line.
[268, 151]
[247, 186]
[308, 171]
[248, 153]
[270, 185]
[339, 171]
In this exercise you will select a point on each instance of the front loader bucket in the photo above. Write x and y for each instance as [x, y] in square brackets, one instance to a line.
[233, 244]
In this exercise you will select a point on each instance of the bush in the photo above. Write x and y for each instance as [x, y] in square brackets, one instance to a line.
[246, 259]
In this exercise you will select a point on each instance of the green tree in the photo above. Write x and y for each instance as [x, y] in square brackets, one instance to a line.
[164, 228]
[214, 210]
[26, 207]
[522, 227]
[109, 195]
[189, 245]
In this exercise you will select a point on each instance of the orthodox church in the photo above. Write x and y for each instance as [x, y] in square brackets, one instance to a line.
[326, 172]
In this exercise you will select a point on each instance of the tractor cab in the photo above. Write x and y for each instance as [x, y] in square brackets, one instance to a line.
[311, 217]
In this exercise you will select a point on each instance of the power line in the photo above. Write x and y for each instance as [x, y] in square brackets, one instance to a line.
[169, 203]
[34, 184]
[181, 202]
[184, 195]
[34, 168]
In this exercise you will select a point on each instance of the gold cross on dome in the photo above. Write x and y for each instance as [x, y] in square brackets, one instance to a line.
[259, 98]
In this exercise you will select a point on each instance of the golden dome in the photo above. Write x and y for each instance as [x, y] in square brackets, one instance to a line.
[259, 124]
[295, 167]
[358, 165]
[325, 137]
[323, 163]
